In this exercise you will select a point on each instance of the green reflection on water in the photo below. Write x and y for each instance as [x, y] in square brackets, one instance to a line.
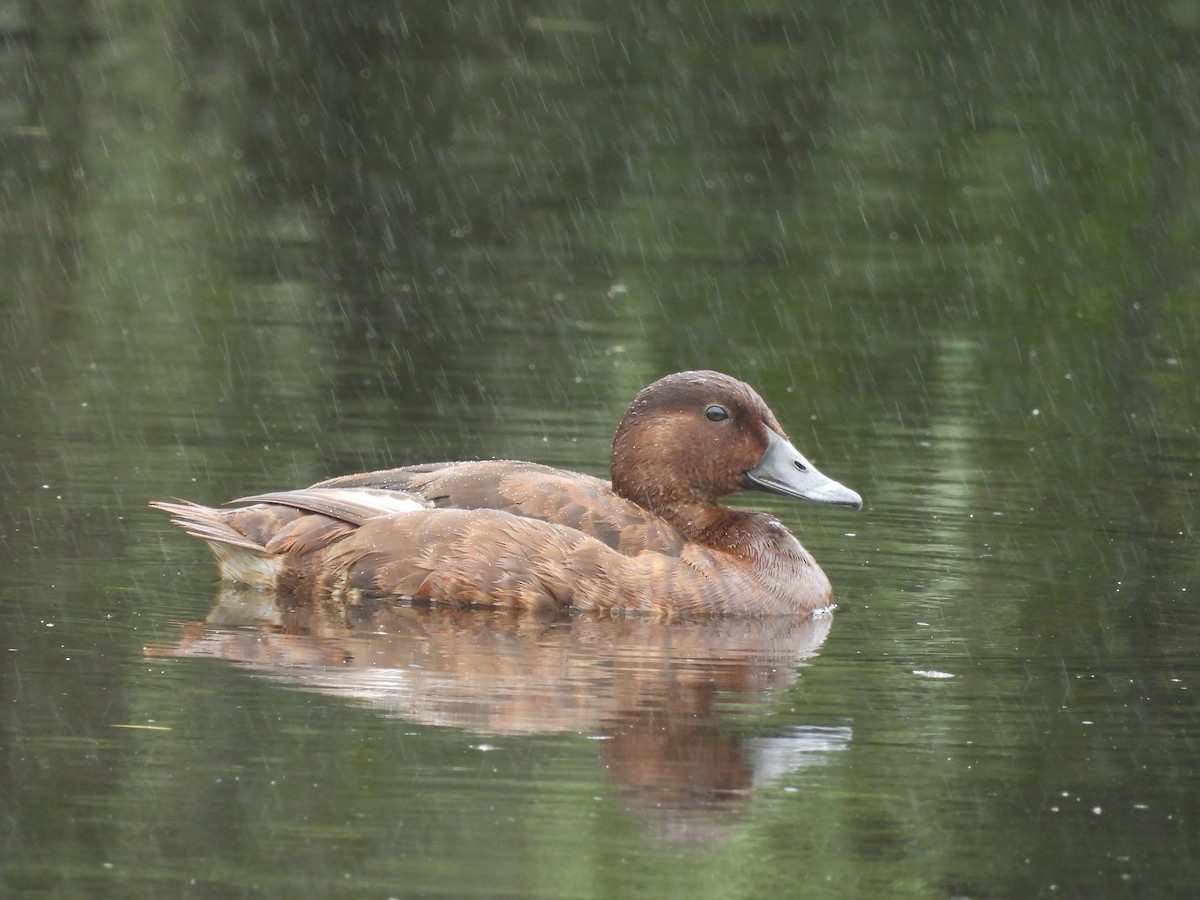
[247, 247]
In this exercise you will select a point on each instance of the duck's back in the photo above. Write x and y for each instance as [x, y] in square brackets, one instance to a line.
[529, 490]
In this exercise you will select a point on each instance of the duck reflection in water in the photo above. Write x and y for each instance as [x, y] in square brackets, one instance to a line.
[658, 695]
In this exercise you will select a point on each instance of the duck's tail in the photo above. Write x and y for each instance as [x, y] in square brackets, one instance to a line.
[239, 558]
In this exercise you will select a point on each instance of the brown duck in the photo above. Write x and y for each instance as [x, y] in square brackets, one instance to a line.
[528, 536]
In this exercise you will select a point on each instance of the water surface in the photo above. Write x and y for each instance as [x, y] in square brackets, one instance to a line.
[250, 247]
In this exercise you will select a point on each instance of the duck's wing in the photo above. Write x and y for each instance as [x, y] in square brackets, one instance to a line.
[352, 505]
[528, 490]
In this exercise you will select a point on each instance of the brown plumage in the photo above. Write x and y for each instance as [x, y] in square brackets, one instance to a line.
[528, 536]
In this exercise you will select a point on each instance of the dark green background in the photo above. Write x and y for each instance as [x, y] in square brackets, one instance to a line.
[250, 245]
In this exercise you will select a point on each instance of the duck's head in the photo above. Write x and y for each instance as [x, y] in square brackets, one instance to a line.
[695, 437]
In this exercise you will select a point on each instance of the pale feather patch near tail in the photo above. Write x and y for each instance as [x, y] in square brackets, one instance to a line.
[353, 505]
[238, 557]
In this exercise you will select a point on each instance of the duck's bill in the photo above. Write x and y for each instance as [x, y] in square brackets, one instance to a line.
[783, 470]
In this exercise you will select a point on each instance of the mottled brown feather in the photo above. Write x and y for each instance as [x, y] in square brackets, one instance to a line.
[532, 491]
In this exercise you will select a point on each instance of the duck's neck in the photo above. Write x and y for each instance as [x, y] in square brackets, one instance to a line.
[713, 526]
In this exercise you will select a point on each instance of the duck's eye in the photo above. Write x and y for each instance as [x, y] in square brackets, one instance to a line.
[716, 414]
